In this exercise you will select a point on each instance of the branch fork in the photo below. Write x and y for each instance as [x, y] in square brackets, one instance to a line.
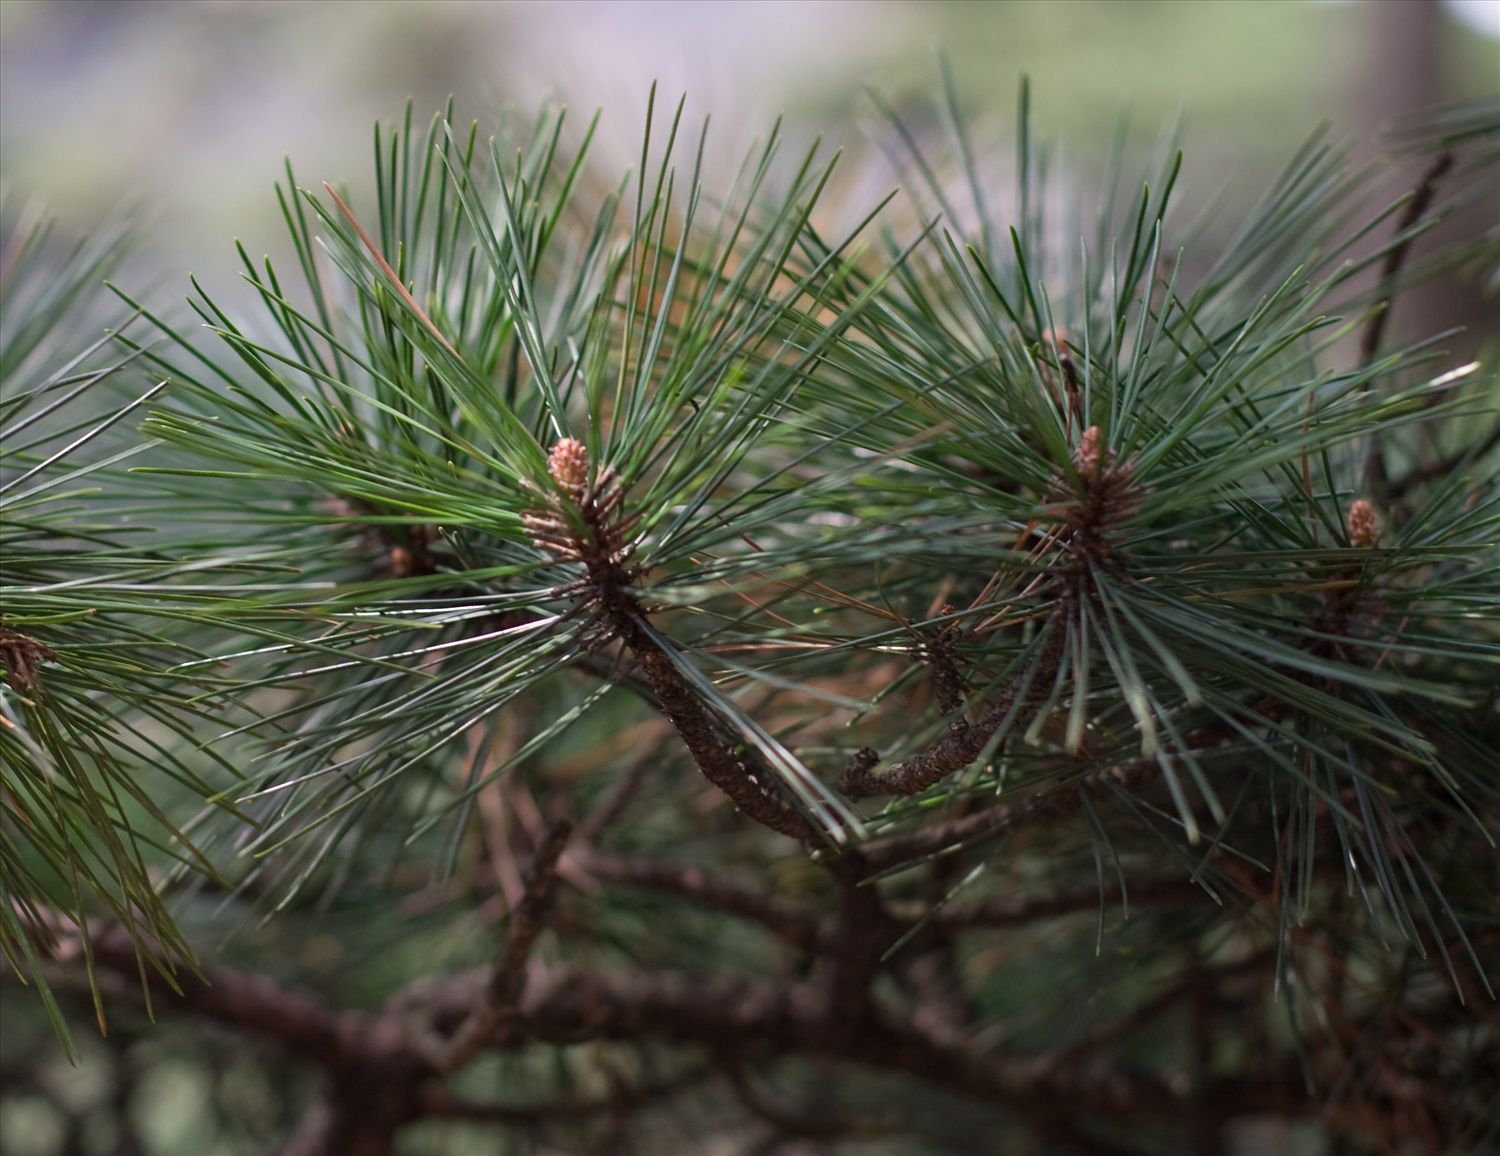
[1104, 496]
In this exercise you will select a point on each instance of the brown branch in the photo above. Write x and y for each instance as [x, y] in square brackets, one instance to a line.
[937, 651]
[1011, 911]
[927, 965]
[489, 1021]
[786, 920]
[371, 1077]
[503, 739]
[1058, 802]
[300, 1022]
[1397, 489]
[378, 1079]
[438, 1102]
[1098, 494]
[717, 763]
[964, 741]
[860, 931]
[804, 930]
[1421, 199]
[1369, 346]
[718, 1012]
[940, 1003]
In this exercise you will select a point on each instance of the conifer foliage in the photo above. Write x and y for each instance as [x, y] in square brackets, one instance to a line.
[608, 667]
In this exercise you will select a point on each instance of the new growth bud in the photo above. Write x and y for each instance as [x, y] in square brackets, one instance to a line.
[1363, 524]
[568, 463]
[582, 522]
[1089, 454]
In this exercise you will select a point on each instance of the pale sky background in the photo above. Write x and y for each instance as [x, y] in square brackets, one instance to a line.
[1480, 15]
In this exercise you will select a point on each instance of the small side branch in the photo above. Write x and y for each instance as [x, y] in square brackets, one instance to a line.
[964, 741]
[722, 1013]
[503, 991]
[299, 1021]
[1099, 494]
[940, 838]
[1061, 802]
[785, 920]
[1421, 200]
[1397, 489]
[1151, 1011]
[1369, 346]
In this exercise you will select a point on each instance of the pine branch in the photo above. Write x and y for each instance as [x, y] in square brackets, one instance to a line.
[579, 525]
[787, 921]
[1396, 490]
[490, 1023]
[952, 835]
[802, 1124]
[964, 741]
[301, 1022]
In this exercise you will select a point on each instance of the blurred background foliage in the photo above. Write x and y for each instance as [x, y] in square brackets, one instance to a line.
[189, 108]
[187, 111]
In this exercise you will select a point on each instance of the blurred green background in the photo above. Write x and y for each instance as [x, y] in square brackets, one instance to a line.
[187, 109]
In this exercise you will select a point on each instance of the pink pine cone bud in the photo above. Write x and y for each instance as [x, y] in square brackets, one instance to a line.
[568, 463]
[1363, 524]
[1089, 453]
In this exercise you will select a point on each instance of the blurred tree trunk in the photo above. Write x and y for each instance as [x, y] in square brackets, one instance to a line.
[1405, 72]
[1406, 65]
